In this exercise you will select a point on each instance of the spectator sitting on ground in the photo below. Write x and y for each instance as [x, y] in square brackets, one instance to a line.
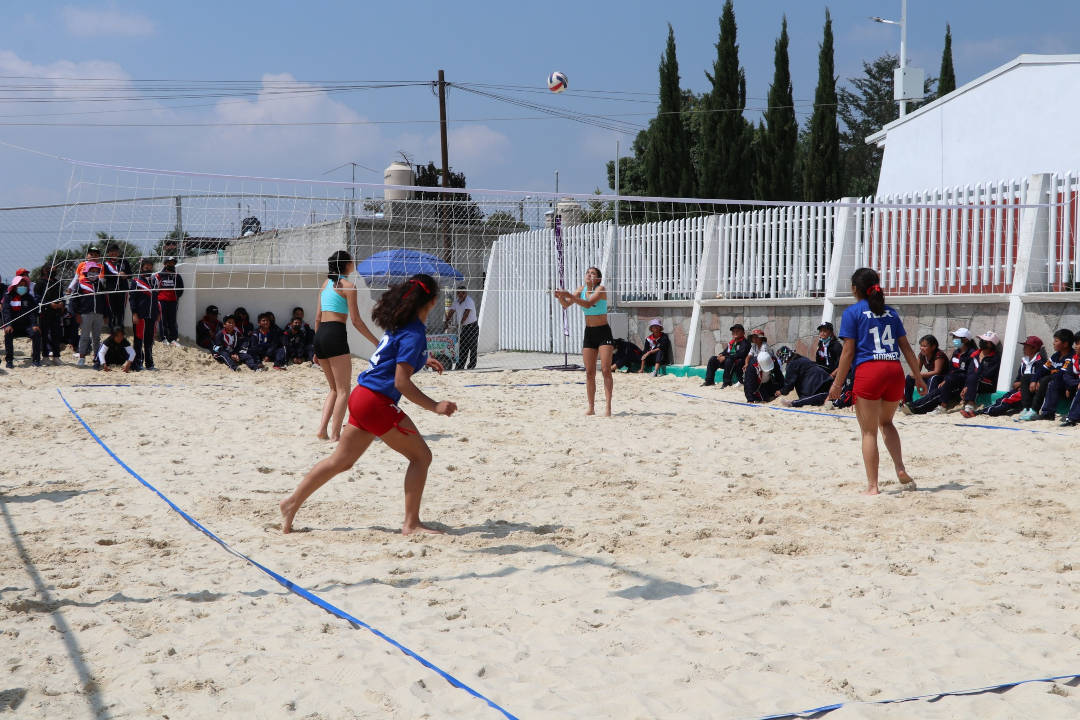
[947, 390]
[227, 343]
[810, 380]
[264, 344]
[1032, 369]
[657, 352]
[207, 328]
[1073, 416]
[1064, 374]
[309, 334]
[116, 351]
[1062, 346]
[829, 348]
[627, 356]
[732, 359]
[243, 322]
[934, 365]
[762, 376]
[982, 373]
[299, 345]
[19, 313]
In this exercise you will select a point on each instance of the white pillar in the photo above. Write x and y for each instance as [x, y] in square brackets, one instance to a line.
[488, 318]
[1031, 263]
[838, 280]
[706, 277]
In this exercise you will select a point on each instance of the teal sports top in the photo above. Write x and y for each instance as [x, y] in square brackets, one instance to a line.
[330, 301]
[600, 308]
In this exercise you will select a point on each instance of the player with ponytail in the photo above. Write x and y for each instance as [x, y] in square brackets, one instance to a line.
[874, 340]
[373, 411]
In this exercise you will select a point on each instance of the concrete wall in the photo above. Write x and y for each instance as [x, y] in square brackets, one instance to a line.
[261, 290]
[1010, 123]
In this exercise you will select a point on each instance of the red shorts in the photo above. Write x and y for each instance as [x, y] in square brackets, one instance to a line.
[374, 412]
[879, 380]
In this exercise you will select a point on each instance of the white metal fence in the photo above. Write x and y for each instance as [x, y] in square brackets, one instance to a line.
[659, 261]
[530, 318]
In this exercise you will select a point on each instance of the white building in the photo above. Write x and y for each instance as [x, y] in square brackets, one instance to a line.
[1012, 122]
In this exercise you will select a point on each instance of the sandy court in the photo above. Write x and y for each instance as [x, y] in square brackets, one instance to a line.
[686, 558]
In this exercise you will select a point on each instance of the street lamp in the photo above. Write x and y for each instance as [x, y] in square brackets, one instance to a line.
[908, 83]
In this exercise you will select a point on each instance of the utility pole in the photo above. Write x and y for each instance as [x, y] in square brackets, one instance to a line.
[445, 164]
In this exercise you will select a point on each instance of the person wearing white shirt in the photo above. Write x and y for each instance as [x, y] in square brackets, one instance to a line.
[463, 314]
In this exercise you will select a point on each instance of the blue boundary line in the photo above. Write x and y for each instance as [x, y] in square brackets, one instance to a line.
[812, 712]
[281, 580]
[521, 384]
[765, 406]
[1012, 429]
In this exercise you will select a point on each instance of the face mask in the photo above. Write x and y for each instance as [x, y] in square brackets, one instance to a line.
[957, 342]
[21, 290]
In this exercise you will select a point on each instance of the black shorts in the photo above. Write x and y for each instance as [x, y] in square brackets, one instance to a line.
[597, 336]
[331, 340]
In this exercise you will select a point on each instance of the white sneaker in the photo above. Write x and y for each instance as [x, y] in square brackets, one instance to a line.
[939, 410]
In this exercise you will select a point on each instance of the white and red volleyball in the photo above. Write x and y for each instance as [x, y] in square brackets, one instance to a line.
[557, 82]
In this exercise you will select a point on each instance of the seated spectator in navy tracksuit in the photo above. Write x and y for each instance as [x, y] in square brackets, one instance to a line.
[829, 348]
[762, 376]
[299, 342]
[264, 344]
[933, 366]
[657, 353]
[298, 313]
[227, 343]
[19, 313]
[982, 373]
[1032, 369]
[243, 322]
[1072, 418]
[207, 328]
[116, 351]
[948, 389]
[732, 359]
[1064, 379]
[810, 380]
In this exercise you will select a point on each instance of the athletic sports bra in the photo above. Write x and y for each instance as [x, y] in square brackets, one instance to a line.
[600, 308]
[330, 301]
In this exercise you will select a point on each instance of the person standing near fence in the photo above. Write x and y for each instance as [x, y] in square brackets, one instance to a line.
[89, 305]
[170, 288]
[874, 341]
[463, 314]
[115, 280]
[598, 342]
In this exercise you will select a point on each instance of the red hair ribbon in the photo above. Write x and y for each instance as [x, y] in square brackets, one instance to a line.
[413, 282]
[873, 289]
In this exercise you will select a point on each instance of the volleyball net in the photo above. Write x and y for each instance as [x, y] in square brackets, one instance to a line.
[264, 243]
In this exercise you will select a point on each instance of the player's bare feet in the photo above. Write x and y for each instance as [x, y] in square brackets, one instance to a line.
[288, 511]
[420, 528]
[871, 491]
[323, 436]
[905, 480]
[590, 411]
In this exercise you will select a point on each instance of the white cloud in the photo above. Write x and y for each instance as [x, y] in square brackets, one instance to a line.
[90, 22]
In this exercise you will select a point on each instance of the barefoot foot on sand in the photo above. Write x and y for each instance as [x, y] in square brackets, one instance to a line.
[871, 491]
[906, 482]
[288, 511]
[323, 436]
[590, 411]
[420, 528]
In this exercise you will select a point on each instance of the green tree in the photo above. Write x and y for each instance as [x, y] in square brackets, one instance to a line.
[460, 206]
[725, 170]
[947, 77]
[505, 222]
[64, 262]
[598, 210]
[774, 178]
[821, 170]
[865, 108]
[170, 245]
[668, 170]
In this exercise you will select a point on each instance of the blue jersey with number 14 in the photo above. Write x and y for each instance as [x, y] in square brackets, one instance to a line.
[406, 345]
[876, 336]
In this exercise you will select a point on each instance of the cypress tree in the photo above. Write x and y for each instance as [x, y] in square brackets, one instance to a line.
[725, 152]
[668, 169]
[947, 77]
[775, 174]
[821, 178]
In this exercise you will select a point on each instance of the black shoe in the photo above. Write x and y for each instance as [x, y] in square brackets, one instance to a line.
[1046, 416]
[707, 384]
[36, 363]
[9, 365]
[1068, 423]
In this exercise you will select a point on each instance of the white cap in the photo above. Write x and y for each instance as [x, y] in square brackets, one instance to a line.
[990, 336]
[765, 361]
[961, 333]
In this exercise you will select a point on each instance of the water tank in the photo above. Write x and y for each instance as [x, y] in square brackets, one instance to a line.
[570, 211]
[398, 173]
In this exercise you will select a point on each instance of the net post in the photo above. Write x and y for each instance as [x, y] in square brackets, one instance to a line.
[707, 275]
[843, 258]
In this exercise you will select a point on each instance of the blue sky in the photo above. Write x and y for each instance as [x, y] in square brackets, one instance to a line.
[600, 45]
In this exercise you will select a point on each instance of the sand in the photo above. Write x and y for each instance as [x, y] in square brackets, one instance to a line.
[686, 558]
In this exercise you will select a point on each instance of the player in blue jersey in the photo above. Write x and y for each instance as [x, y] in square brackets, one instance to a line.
[373, 411]
[874, 341]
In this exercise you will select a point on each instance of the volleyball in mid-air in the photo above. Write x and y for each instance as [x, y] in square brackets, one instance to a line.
[557, 81]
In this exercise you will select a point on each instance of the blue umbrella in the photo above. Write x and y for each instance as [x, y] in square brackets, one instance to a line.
[405, 263]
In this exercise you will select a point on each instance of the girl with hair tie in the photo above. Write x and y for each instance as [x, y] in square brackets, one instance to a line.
[874, 339]
[373, 411]
[337, 304]
[598, 341]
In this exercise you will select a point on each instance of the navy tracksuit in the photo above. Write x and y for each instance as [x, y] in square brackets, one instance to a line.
[810, 381]
[949, 388]
[734, 359]
[753, 388]
[20, 312]
[225, 346]
[1065, 376]
[299, 343]
[261, 346]
[116, 288]
[170, 288]
[144, 306]
[828, 353]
